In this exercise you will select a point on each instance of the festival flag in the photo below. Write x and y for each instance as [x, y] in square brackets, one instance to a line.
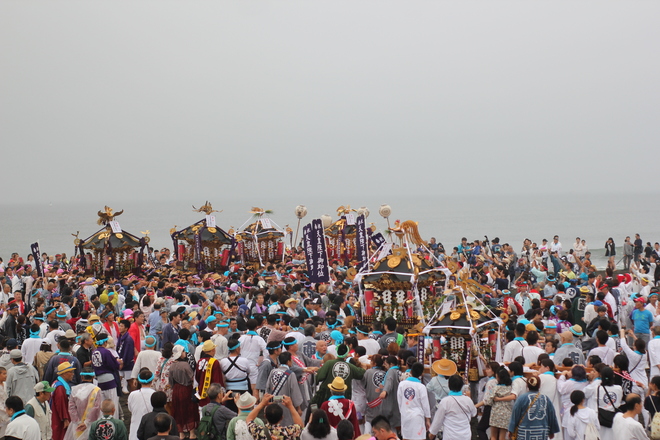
[361, 242]
[377, 239]
[198, 250]
[321, 273]
[37, 258]
[420, 348]
[309, 248]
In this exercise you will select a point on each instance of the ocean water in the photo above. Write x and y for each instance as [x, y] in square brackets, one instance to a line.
[448, 218]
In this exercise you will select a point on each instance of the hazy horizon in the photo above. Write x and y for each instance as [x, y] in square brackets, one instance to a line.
[154, 100]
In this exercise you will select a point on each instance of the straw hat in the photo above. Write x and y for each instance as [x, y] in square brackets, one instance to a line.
[208, 346]
[444, 367]
[290, 301]
[576, 330]
[64, 367]
[338, 385]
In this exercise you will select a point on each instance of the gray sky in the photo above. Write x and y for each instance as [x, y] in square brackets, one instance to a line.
[154, 98]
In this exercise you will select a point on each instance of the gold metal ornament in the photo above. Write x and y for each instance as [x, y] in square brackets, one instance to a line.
[455, 316]
[77, 241]
[212, 230]
[147, 239]
[393, 262]
[474, 315]
[119, 235]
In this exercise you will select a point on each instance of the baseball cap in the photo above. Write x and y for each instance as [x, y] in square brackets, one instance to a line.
[43, 387]
[15, 354]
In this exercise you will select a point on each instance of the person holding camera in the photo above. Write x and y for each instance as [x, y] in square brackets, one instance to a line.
[220, 414]
[283, 382]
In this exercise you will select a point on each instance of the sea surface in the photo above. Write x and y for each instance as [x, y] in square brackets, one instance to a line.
[447, 218]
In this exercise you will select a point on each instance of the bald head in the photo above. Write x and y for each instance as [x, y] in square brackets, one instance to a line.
[108, 407]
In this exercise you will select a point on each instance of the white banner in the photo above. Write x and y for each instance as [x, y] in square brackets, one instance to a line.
[265, 222]
[115, 227]
[384, 251]
[210, 221]
[350, 219]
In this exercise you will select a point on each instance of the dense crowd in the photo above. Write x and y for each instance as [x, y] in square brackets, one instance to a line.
[263, 353]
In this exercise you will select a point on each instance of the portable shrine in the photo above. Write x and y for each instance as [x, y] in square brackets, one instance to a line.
[202, 246]
[111, 251]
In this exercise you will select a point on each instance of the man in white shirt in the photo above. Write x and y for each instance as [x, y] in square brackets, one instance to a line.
[454, 413]
[532, 351]
[605, 353]
[22, 426]
[625, 426]
[555, 246]
[514, 348]
[653, 349]
[371, 345]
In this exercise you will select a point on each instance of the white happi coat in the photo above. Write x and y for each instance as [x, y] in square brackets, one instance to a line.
[414, 407]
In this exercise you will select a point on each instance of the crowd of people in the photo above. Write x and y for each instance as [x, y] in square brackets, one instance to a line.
[261, 353]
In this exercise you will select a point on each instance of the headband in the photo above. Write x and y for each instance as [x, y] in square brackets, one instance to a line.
[232, 348]
[61, 316]
[101, 341]
[87, 374]
[289, 343]
[35, 333]
[150, 345]
[146, 380]
[274, 348]
[224, 324]
[364, 333]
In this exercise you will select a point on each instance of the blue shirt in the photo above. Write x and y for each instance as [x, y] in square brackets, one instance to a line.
[155, 322]
[643, 320]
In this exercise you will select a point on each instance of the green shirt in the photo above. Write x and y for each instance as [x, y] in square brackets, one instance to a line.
[242, 415]
[98, 431]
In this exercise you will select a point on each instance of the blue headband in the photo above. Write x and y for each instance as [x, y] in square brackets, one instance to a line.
[238, 344]
[364, 333]
[88, 374]
[34, 333]
[101, 341]
[289, 343]
[40, 318]
[150, 345]
[146, 380]
[211, 319]
[274, 348]
[222, 324]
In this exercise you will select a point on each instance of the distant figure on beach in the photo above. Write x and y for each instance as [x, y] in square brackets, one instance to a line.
[627, 253]
[610, 251]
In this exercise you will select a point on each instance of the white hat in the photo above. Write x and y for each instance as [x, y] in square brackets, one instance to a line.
[246, 401]
[176, 351]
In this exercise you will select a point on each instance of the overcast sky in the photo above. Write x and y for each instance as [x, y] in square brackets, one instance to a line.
[127, 100]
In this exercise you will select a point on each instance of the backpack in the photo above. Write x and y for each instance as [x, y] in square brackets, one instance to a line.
[655, 422]
[241, 431]
[207, 429]
[591, 433]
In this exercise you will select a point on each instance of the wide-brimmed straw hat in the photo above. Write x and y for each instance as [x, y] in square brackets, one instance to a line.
[338, 385]
[444, 367]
